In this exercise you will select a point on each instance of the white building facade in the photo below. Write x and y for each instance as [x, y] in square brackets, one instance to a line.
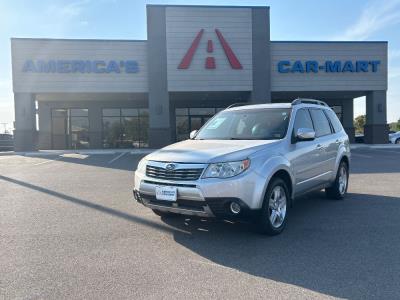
[197, 60]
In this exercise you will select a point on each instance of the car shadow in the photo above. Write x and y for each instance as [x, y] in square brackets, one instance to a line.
[121, 161]
[338, 248]
[345, 249]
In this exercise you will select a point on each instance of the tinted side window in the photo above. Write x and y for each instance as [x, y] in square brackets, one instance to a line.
[303, 120]
[334, 121]
[321, 123]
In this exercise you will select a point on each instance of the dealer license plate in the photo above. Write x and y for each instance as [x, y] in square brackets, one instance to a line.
[166, 193]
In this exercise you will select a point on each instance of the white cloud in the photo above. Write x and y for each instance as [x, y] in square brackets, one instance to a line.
[6, 83]
[375, 16]
[6, 102]
[394, 72]
[69, 10]
[394, 54]
[60, 18]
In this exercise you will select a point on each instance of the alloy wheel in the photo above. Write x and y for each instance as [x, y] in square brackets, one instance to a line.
[277, 206]
[342, 180]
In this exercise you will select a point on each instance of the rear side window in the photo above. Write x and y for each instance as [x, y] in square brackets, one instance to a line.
[337, 126]
[303, 120]
[321, 123]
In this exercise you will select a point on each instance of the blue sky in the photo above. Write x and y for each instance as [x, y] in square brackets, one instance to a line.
[118, 19]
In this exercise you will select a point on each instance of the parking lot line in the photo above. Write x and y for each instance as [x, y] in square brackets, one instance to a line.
[118, 157]
[4, 157]
[46, 161]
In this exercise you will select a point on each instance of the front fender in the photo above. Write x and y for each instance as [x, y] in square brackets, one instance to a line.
[343, 151]
[269, 169]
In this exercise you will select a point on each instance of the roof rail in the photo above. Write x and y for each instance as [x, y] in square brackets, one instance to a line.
[236, 104]
[308, 101]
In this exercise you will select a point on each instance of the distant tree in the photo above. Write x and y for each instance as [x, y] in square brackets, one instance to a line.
[359, 123]
[395, 126]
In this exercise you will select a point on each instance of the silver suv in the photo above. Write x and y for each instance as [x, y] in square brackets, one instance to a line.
[249, 162]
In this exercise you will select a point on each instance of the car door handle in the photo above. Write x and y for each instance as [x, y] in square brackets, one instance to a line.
[320, 147]
[337, 142]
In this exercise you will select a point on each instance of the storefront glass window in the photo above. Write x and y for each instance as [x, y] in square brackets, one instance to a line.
[143, 128]
[112, 131]
[70, 128]
[79, 112]
[129, 112]
[111, 112]
[125, 128]
[182, 128]
[189, 119]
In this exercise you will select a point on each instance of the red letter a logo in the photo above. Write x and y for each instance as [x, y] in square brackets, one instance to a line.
[210, 63]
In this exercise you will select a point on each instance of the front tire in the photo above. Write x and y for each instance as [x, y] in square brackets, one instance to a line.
[339, 188]
[273, 215]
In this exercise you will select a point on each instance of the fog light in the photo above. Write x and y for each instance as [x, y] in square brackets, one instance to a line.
[235, 208]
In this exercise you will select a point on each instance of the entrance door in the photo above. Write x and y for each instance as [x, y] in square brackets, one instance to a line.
[59, 128]
[69, 128]
[189, 119]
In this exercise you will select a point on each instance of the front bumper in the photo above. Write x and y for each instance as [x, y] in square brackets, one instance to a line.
[204, 197]
[181, 206]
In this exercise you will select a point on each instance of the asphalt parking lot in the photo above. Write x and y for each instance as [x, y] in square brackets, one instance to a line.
[70, 229]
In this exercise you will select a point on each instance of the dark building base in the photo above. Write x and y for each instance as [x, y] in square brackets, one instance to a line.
[376, 134]
[159, 137]
[25, 140]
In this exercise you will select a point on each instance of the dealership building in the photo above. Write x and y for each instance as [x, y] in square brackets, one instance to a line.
[197, 60]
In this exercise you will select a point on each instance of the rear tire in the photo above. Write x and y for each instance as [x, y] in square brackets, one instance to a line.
[274, 212]
[164, 214]
[338, 189]
[397, 141]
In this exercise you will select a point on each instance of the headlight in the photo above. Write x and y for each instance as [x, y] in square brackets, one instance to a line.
[226, 169]
[141, 168]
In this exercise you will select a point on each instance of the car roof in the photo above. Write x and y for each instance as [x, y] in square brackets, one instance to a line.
[295, 104]
[260, 106]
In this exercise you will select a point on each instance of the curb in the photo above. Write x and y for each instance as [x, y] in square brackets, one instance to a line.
[377, 146]
[147, 151]
[87, 152]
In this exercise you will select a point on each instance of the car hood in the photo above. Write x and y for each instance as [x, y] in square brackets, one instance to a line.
[209, 151]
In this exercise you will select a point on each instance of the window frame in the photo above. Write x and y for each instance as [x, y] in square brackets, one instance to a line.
[294, 122]
[329, 122]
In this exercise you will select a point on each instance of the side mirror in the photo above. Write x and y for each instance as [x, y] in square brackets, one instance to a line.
[193, 134]
[305, 134]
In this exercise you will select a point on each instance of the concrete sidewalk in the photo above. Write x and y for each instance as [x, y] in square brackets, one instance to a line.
[375, 146]
[147, 151]
[85, 152]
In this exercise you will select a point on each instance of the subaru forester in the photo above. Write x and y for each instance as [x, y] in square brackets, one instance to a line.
[249, 162]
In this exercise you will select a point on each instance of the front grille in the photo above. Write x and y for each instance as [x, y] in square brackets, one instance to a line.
[178, 174]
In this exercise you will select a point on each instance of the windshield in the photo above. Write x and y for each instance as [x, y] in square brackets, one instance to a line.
[263, 124]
